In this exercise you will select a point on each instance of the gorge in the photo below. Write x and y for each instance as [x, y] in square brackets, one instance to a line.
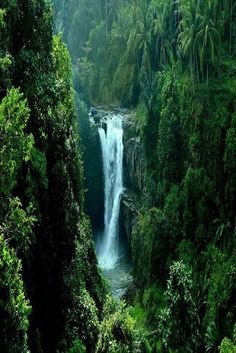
[118, 223]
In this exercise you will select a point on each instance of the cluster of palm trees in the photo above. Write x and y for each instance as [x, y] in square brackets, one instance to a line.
[141, 37]
[200, 35]
[162, 31]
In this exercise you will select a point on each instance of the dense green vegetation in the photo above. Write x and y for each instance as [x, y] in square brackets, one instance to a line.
[174, 63]
[47, 262]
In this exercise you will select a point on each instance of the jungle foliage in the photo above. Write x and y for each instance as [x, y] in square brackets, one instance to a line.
[173, 62]
[44, 234]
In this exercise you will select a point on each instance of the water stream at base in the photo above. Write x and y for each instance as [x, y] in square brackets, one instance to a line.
[120, 277]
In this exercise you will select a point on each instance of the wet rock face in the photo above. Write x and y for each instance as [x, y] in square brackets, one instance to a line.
[94, 174]
[93, 112]
[135, 166]
[134, 175]
[93, 171]
[128, 213]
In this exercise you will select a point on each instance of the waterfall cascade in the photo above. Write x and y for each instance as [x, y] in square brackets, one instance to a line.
[112, 155]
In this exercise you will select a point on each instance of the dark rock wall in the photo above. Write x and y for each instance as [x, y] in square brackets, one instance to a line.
[134, 175]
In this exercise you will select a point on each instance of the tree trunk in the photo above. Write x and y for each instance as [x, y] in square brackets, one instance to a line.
[197, 69]
[191, 64]
[207, 73]
[106, 18]
[230, 28]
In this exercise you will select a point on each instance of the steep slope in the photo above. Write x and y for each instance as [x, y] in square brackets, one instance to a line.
[42, 222]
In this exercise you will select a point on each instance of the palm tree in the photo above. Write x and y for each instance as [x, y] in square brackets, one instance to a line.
[199, 39]
[113, 7]
[164, 33]
[207, 39]
[143, 42]
[188, 28]
[121, 26]
[137, 33]
[231, 9]
[222, 16]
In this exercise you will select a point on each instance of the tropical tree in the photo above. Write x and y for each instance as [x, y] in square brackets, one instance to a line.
[163, 31]
[207, 39]
[14, 307]
[180, 307]
[15, 145]
[113, 7]
[143, 42]
[137, 40]
[188, 29]
[120, 30]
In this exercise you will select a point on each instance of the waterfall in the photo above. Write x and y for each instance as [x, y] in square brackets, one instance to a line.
[112, 155]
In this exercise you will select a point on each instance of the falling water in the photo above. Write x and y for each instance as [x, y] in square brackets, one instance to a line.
[112, 155]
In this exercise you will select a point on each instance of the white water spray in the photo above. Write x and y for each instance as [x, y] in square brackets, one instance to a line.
[112, 155]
